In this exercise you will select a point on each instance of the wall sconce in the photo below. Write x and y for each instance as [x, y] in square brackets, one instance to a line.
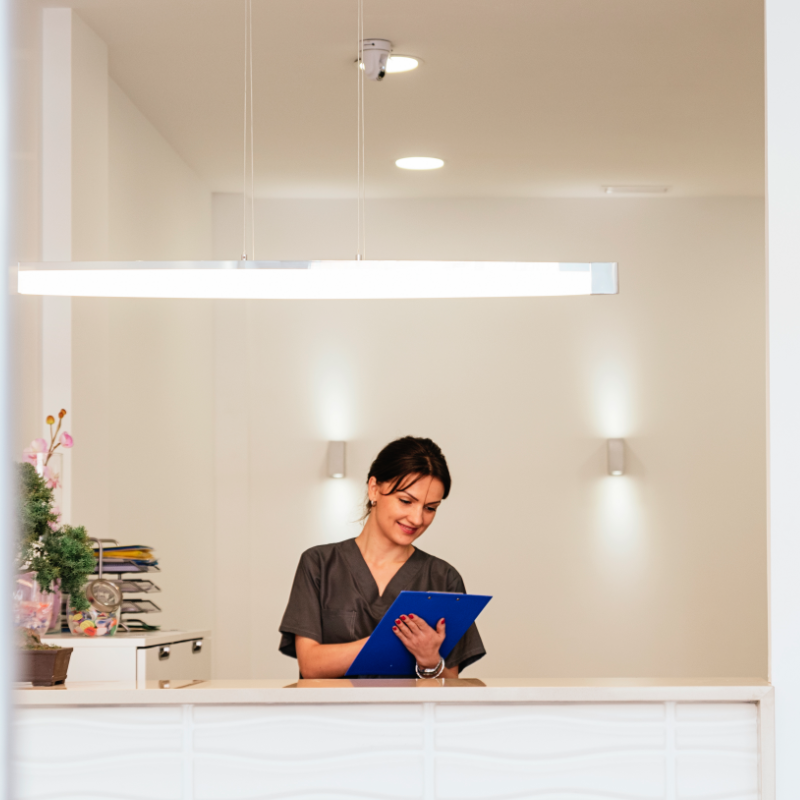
[336, 459]
[616, 456]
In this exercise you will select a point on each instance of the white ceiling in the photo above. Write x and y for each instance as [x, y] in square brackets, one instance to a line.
[521, 98]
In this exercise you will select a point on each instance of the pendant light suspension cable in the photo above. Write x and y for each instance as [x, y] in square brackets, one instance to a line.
[244, 145]
[252, 143]
[361, 241]
[248, 118]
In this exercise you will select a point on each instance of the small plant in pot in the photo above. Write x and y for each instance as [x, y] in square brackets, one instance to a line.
[41, 664]
[53, 556]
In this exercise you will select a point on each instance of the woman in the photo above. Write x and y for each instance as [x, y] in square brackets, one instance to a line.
[341, 591]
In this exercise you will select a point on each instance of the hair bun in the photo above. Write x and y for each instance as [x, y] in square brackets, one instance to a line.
[410, 455]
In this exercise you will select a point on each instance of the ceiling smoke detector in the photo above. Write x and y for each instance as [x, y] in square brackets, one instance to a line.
[375, 57]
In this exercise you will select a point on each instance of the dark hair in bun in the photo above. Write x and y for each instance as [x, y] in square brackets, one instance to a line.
[408, 456]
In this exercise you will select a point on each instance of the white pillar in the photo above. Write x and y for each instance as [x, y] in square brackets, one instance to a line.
[57, 218]
[74, 190]
[783, 203]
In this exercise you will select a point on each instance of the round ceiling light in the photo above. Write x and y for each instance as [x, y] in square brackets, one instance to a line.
[419, 162]
[399, 64]
[402, 63]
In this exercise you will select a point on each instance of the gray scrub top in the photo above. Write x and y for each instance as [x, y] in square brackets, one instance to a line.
[334, 598]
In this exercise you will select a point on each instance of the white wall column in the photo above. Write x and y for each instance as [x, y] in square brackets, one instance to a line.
[783, 196]
[57, 218]
[74, 190]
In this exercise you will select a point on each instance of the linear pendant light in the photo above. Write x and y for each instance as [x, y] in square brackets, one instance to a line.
[316, 280]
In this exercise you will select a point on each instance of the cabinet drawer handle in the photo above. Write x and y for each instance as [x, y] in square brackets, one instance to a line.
[163, 653]
[197, 646]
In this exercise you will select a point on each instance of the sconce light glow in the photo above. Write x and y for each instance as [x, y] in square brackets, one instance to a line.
[336, 451]
[419, 162]
[616, 457]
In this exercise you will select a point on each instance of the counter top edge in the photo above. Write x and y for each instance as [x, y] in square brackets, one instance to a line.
[283, 695]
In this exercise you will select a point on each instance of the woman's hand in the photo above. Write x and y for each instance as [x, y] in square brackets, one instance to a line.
[422, 641]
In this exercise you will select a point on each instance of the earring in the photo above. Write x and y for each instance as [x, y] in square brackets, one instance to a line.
[373, 502]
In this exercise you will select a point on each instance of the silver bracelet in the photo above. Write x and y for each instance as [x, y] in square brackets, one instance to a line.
[434, 672]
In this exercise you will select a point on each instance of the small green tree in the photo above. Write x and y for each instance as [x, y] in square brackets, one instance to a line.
[53, 552]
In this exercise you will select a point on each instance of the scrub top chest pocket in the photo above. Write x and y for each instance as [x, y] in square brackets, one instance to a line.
[338, 627]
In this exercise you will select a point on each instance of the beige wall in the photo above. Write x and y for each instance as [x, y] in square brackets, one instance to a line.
[159, 207]
[90, 144]
[142, 378]
[659, 572]
[205, 424]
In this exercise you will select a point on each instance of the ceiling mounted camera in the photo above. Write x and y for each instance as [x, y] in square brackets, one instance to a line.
[374, 57]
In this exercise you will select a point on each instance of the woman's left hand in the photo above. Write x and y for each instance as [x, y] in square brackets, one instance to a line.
[422, 641]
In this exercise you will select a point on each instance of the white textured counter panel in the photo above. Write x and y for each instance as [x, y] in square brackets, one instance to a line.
[638, 739]
[325, 692]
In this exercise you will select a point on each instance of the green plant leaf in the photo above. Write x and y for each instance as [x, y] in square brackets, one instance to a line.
[55, 554]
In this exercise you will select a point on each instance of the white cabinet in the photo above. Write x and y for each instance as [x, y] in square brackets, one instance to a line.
[139, 657]
[187, 659]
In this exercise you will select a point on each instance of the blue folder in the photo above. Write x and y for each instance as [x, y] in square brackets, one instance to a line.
[384, 654]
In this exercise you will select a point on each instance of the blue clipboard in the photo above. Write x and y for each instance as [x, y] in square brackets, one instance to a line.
[384, 654]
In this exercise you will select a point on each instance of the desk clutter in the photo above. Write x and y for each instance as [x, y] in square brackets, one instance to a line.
[110, 593]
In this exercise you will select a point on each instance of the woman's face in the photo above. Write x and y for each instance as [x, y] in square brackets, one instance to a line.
[405, 515]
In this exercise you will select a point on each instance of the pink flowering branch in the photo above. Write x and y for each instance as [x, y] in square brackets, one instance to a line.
[40, 446]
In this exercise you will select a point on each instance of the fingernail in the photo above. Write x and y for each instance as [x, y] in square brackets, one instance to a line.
[411, 616]
[403, 616]
[394, 628]
[397, 621]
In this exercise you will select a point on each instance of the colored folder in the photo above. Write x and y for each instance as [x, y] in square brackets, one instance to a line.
[384, 653]
[139, 551]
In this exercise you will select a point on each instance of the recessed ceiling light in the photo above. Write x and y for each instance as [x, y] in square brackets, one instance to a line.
[636, 189]
[419, 162]
[402, 63]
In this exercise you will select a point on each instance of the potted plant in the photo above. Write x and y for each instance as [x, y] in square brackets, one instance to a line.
[53, 556]
[41, 664]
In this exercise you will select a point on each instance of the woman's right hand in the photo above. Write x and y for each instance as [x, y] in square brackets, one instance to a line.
[422, 641]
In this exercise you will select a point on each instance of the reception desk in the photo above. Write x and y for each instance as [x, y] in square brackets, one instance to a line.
[450, 740]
